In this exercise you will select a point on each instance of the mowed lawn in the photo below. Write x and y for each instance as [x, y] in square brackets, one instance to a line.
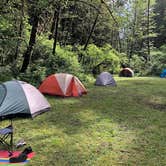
[110, 126]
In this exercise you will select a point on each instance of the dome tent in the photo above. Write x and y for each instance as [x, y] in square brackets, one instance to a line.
[126, 72]
[104, 79]
[62, 84]
[19, 98]
[163, 74]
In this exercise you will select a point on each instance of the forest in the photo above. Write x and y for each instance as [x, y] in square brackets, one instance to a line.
[81, 37]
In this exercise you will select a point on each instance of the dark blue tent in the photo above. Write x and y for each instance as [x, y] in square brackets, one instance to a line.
[163, 74]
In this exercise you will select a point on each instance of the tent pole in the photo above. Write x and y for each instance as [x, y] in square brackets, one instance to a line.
[11, 140]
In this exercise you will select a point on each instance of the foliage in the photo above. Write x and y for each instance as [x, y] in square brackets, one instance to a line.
[112, 59]
[160, 20]
[44, 63]
[5, 73]
[124, 34]
[97, 59]
[34, 75]
[8, 35]
[124, 61]
[153, 67]
[138, 65]
[158, 60]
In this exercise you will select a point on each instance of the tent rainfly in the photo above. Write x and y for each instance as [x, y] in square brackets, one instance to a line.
[126, 72]
[104, 79]
[163, 74]
[19, 98]
[62, 84]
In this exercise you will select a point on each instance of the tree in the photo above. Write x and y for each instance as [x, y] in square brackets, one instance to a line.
[10, 31]
[36, 8]
[160, 21]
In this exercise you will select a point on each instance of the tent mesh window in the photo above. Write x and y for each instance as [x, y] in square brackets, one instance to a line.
[2, 93]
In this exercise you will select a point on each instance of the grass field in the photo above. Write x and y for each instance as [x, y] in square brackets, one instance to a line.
[110, 126]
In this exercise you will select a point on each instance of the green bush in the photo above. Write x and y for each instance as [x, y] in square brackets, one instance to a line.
[5, 73]
[158, 60]
[97, 59]
[44, 63]
[111, 57]
[137, 64]
[34, 75]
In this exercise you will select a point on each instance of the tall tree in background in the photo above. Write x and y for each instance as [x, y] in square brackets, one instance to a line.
[56, 23]
[148, 30]
[150, 26]
[128, 26]
[36, 8]
[34, 19]
[139, 29]
[9, 36]
[160, 21]
[20, 29]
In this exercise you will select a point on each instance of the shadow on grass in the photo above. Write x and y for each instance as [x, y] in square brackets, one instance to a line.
[109, 125]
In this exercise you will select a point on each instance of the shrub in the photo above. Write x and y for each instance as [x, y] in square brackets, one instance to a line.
[158, 61]
[34, 75]
[5, 73]
[44, 63]
[97, 59]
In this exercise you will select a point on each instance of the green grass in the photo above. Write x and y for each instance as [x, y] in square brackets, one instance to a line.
[110, 126]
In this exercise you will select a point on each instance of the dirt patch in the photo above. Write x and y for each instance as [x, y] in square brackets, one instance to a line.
[158, 106]
[153, 102]
[104, 146]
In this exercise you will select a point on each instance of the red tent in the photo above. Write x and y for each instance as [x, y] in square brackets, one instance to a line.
[62, 85]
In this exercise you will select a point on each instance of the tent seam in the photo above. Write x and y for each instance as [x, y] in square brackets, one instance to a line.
[24, 95]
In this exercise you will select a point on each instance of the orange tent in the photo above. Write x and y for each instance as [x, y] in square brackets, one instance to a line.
[62, 85]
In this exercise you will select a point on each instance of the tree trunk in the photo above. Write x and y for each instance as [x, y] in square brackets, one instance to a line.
[133, 34]
[92, 29]
[32, 41]
[148, 39]
[56, 30]
[53, 25]
[20, 30]
[120, 44]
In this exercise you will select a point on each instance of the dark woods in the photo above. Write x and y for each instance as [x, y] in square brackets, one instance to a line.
[41, 37]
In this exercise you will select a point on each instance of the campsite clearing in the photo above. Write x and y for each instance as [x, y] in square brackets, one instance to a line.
[123, 125]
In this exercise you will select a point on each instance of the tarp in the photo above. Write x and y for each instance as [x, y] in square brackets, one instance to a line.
[4, 158]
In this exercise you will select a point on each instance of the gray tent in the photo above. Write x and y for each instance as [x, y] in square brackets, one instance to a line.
[21, 99]
[104, 79]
